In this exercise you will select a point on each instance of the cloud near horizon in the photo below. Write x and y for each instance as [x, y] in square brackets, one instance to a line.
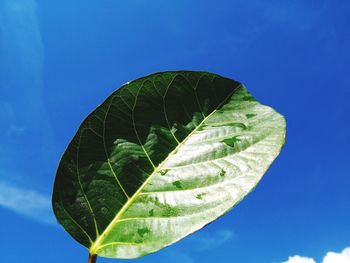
[331, 257]
[299, 259]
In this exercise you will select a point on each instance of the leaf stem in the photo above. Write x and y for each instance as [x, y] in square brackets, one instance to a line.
[92, 258]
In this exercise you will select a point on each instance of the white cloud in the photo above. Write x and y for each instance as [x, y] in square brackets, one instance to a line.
[331, 257]
[299, 259]
[26, 202]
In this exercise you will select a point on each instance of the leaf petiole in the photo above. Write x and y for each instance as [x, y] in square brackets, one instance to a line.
[92, 258]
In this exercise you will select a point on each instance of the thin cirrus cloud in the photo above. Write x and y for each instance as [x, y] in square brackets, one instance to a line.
[26, 133]
[186, 251]
[204, 242]
[25, 127]
[29, 203]
[331, 257]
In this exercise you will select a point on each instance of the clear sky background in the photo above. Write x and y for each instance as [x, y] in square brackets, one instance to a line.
[60, 59]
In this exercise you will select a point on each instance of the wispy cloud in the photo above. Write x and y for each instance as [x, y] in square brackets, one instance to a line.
[173, 256]
[26, 140]
[331, 257]
[202, 242]
[199, 242]
[284, 13]
[25, 127]
[26, 202]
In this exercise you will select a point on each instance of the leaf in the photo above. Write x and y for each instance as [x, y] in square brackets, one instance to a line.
[162, 157]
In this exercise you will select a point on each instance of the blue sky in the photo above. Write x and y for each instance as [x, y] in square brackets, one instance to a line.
[60, 59]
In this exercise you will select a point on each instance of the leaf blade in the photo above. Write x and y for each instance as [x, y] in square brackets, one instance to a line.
[166, 140]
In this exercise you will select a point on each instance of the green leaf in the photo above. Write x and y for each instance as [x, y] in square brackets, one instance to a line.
[162, 157]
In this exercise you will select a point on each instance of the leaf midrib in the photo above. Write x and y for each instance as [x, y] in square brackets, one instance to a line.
[95, 245]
